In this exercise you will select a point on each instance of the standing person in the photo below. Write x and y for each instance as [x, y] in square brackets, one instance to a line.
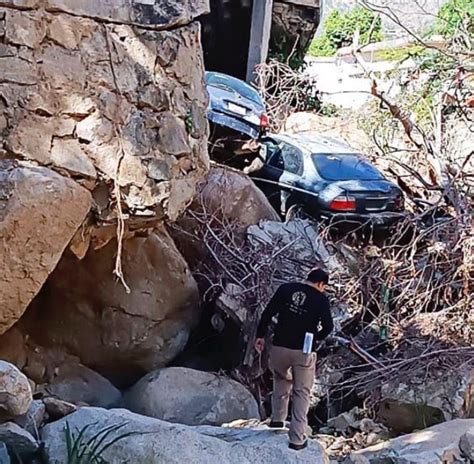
[303, 316]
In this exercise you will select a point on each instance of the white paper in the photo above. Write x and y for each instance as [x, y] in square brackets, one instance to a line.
[308, 343]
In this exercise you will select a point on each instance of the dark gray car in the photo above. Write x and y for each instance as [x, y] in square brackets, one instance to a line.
[235, 104]
[326, 179]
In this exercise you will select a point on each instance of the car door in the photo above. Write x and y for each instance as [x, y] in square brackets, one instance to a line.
[268, 177]
[292, 161]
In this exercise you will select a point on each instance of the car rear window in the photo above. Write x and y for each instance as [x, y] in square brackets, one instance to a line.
[345, 167]
[233, 84]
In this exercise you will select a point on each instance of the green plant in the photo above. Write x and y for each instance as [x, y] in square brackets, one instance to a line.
[82, 450]
[339, 30]
[452, 14]
[330, 110]
[400, 54]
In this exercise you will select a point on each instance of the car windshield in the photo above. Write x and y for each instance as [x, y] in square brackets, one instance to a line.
[345, 166]
[233, 85]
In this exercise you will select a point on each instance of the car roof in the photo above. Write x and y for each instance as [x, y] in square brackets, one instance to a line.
[230, 79]
[311, 142]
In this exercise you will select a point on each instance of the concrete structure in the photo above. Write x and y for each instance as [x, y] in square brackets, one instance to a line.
[259, 35]
[284, 25]
[237, 35]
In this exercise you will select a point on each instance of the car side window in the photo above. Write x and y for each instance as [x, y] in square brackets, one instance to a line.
[292, 159]
[274, 157]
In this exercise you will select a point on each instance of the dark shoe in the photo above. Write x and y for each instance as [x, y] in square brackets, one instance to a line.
[298, 447]
[276, 425]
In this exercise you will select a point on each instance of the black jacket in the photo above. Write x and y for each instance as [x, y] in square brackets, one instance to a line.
[300, 308]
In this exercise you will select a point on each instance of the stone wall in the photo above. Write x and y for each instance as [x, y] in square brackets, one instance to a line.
[100, 92]
[293, 28]
[102, 103]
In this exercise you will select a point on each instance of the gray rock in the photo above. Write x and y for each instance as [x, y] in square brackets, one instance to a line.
[15, 391]
[466, 444]
[411, 406]
[4, 456]
[342, 422]
[156, 441]
[32, 420]
[57, 409]
[64, 123]
[434, 445]
[75, 383]
[18, 441]
[188, 396]
[160, 14]
[40, 212]
[122, 334]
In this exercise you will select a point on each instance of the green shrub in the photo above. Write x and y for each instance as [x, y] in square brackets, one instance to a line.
[400, 54]
[339, 30]
[451, 14]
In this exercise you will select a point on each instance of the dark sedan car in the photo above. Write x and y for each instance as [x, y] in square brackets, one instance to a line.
[235, 104]
[325, 179]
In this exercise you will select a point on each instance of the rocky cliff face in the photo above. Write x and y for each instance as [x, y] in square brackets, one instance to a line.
[102, 125]
[100, 92]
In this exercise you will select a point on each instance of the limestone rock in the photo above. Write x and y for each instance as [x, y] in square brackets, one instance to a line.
[230, 195]
[300, 235]
[57, 408]
[14, 70]
[18, 441]
[4, 456]
[123, 335]
[293, 27]
[191, 397]
[466, 444]
[343, 422]
[68, 154]
[433, 445]
[71, 106]
[32, 420]
[61, 30]
[178, 443]
[15, 391]
[235, 197]
[409, 406]
[160, 14]
[75, 383]
[39, 213]
[22, 28]
[13, 348]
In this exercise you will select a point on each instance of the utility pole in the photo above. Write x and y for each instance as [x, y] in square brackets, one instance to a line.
[259, 35]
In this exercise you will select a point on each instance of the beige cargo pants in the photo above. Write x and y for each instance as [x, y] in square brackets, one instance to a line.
[292, 369]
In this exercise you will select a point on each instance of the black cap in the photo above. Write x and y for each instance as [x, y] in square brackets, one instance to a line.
[318, 275]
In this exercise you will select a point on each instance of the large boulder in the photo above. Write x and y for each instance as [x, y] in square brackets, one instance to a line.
[40, 212]
[32, 420]
[155, 441]
[231, 197]
[19, 442]
[435, 445]
[191, 397]
[417, 403]
[15, 392]
[123, 334]
[79, 384]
